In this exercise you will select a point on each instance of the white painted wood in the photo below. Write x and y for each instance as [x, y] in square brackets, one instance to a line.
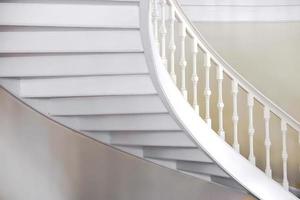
[184, 154]
[202, 168]
[103, 136]
[87, 86]
[138, 122]
[250, 102]
[207, 91]
[172, 45]
[160, 139]
[220, 104]
[295, 191]
[166, 163]
[233, 73]
[268, 170]
[227, 182]
[226, 157]
[285, 182]
[160, 122]
[182, 61]
[241, 3]
[155, 18]
[104, 105]
[163, 32]
[134, 150]
[235, 116]
[69, 15]
[72, 65]
[70, 41]
[195, 78]
[228, 13]
[200, 176]
[12, 85]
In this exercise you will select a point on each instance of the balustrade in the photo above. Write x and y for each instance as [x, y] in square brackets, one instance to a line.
[185, 30]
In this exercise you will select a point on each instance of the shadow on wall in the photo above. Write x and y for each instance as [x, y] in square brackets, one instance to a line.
[43, 160]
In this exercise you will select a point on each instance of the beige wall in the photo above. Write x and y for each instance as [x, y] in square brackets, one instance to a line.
[43, 160]
[266, 54]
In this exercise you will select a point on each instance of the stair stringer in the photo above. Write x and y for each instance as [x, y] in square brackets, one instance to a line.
[239, 168]
[43, 70]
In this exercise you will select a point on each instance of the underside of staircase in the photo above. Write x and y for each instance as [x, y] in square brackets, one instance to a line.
[93, 67]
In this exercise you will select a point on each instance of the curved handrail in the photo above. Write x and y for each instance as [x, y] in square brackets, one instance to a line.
[248, 87]
[239, 168]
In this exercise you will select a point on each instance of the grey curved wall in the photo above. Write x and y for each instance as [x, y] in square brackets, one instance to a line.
[40, 159]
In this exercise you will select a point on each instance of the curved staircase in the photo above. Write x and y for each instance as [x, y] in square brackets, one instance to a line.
[95, 67]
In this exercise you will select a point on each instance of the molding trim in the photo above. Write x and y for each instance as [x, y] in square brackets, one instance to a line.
[242, 11]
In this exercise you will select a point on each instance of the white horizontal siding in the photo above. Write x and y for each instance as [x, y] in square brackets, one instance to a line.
[70, 41]
[241, 2]
[87, 86]
[242, 13]
[72, 64]
[69, 15]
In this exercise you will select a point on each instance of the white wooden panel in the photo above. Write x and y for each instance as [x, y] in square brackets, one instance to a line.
[99, 105]
[102, 137]
[200, 176]
[241, 2]
[188, 154]
[70, 41]
[139, 122]
[134, 150]
[72, 64]
[243, 13]
[166, 163]
[87, 86]
[227, 182]
[202, 168]
[69, 15]
[175, 139]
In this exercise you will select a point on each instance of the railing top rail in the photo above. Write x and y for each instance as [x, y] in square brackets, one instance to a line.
[218, 60]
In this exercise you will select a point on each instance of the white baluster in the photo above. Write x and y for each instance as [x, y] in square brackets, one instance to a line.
[155, 17]
[220, 104]
[251, 128]
[182, 62]
[195, 76]
[285, 182]
[172, 46]
[163, 32]
[268, 170]
[235, 117]
[207, 92]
